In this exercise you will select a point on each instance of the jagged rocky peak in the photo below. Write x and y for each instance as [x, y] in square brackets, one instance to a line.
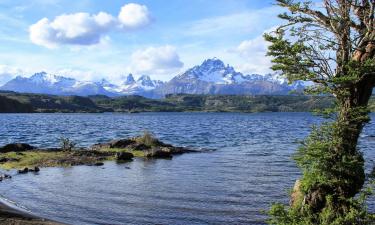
[129, 79]
[145, 81]
[212, 63]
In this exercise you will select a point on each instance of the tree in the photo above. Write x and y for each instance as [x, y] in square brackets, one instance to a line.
[332, 44]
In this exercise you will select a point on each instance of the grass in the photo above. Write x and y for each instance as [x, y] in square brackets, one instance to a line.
[33, 158]
[58, 158]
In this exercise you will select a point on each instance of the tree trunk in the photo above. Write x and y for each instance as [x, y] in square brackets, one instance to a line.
[347, 179]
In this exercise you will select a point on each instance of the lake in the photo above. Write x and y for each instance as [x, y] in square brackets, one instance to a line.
[250, 167]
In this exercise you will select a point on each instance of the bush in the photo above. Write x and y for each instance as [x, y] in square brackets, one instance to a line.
[147, 139]
[66, 144]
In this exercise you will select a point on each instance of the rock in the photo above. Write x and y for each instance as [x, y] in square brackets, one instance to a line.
[100, 146]
[124, 156]
[122, 143]
[158, 153]
[99, 164]
[26, 170]
[16, 147]
[141, 147]
[296, 195]
[5, 176]
[3, 160]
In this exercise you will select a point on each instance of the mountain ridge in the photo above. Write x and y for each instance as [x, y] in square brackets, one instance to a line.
[210, 77]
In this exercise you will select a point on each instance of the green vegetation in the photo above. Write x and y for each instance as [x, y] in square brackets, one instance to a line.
[8, 105]
[18, 160]
[67, 144]
[172, 103]
[46, 103]
[335, 49]
[147, 139]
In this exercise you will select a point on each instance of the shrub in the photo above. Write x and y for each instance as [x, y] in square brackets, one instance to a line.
[66, 144]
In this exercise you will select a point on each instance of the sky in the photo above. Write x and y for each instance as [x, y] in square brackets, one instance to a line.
[94, 39]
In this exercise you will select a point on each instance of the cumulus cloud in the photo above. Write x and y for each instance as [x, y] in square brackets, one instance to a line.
[156, 60]
[78, 28]
[134, 16]
[253, 53]
[84, 28]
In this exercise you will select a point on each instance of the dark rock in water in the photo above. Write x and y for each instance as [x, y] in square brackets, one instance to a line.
[124, 156]
[26, 170]
[99, 164]
[122, 143]
[141, 147]
[5, 176]
[158, 153]
[16, 147]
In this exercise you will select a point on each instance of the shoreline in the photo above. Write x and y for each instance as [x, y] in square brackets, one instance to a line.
[12, 214]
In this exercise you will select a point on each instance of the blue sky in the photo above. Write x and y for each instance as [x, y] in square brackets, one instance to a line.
[93, 39]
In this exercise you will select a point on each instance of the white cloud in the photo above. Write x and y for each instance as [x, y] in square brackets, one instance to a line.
[78, 28]
[156, 60]
[134, 16]
[253, 54]
[84, 28]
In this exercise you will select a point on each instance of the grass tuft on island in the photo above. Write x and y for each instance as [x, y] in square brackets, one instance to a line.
[20, 156]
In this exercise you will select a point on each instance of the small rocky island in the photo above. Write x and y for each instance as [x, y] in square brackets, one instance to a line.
[28, 158]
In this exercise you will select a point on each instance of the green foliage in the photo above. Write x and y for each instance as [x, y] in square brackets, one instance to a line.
[172, 103]
[322, 47]
[66, 144]
[147, 139]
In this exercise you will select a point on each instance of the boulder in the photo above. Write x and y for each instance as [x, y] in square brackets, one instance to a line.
[158, 153]
[140, 147]
[296, 195]
[99, 164]
[5, 176]
[121, 143]
[99, 146]
[25, 170]
[124, 156]
[16, 147]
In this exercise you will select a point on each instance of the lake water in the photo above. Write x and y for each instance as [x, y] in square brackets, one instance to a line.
[250, 167]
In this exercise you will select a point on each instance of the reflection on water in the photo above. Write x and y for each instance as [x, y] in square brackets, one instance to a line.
[250, 168]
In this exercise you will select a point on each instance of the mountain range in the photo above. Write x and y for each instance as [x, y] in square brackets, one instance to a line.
[211, 77]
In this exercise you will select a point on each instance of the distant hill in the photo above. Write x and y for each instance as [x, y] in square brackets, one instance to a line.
[21, 102]
[212, 77]
[8, 105]
[47, 103]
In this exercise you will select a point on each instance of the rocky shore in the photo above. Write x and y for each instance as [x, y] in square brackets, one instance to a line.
[11, 215]
[27, 158]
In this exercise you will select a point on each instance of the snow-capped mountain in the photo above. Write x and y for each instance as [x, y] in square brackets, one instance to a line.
[211, 77]
[214, 77]
[142, 86]
[45, 83]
